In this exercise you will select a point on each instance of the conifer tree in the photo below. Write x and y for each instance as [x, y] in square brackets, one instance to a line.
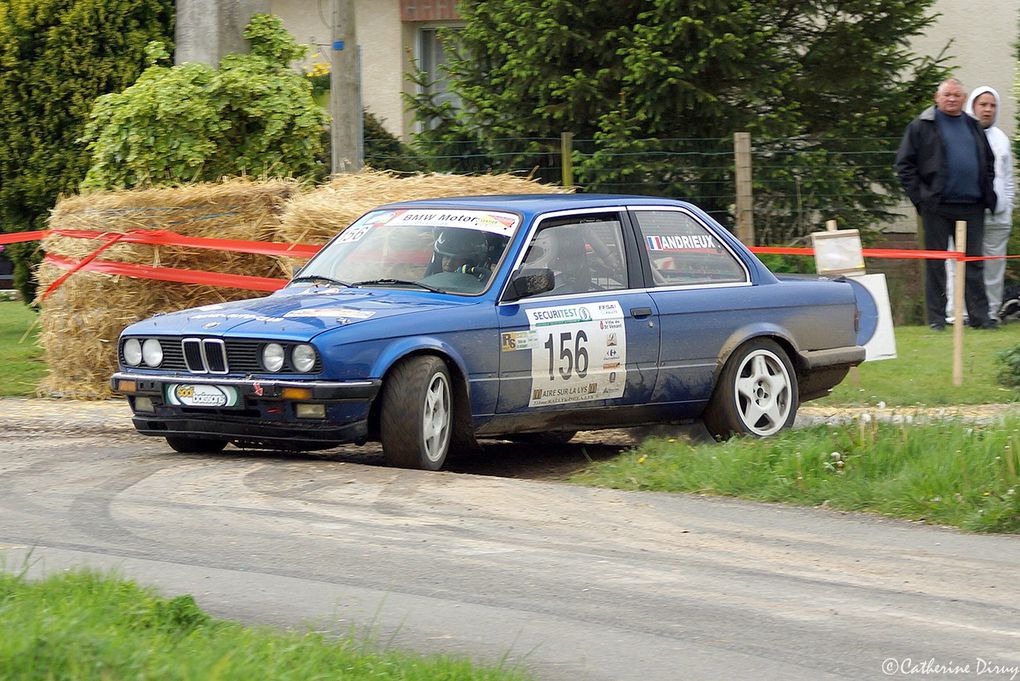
[56, 57]
[809, 79]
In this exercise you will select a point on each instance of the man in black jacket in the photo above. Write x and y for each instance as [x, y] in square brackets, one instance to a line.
[947, 168]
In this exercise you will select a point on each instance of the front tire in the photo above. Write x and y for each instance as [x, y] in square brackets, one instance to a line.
[186, 444]
[756, 394]
[416, 416]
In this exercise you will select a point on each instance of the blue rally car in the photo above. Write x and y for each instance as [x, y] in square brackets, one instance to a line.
[427, 324]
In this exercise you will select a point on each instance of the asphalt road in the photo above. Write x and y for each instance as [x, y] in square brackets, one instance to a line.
[566, 582]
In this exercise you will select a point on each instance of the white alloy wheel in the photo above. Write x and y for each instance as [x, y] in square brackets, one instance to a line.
[755, 393]
[437, 418]
[763, 392]
[416, 413]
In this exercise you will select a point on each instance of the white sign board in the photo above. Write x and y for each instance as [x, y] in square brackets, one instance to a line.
[838, 252]
[876, 325]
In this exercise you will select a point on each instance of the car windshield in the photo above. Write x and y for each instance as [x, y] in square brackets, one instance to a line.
[452, 251]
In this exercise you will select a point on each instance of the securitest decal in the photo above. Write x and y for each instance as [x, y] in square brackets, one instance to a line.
[578, 352]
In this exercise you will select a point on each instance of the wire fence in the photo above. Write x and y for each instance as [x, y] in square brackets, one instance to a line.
[797, 183]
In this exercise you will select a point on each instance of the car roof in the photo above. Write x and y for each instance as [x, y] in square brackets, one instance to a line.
[533, 204]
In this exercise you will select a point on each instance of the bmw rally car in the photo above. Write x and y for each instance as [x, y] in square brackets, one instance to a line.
[427, 324]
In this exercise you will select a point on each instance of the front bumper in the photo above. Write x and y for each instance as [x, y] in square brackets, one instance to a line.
[265, 414]
[147, 384]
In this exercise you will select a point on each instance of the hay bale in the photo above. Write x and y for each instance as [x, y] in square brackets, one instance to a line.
[81, 320]
[317, 216]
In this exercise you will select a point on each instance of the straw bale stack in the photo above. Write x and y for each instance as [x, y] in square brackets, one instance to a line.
[317, 216]
[81, 320]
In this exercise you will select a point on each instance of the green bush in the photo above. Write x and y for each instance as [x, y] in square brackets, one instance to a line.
[56, 57]
[383, 151]
[1009, 367]
[190, 123]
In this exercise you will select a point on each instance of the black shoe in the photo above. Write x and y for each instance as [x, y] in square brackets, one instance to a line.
[990, 325]
[935, 326]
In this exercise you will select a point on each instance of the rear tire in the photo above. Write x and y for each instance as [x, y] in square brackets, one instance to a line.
[756, 394]
[416, 416]
[186, 444]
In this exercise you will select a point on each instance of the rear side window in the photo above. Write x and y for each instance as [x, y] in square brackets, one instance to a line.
[684, 252]
[585, 253]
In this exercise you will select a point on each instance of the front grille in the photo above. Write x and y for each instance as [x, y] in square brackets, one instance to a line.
[205, 355]
[217, 356]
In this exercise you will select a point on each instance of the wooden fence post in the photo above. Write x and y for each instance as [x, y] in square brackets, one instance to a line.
[958, 305]
[745, 202]
[567, 158]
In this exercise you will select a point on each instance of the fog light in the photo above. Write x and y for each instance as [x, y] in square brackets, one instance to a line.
[144, 404]
[310, 411]
[126, 386]
[296, 393]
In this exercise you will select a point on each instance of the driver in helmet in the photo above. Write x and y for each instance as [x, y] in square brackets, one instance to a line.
[461, 260]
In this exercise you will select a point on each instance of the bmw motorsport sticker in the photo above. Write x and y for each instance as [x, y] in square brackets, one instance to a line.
[201, 395]
[578, 352]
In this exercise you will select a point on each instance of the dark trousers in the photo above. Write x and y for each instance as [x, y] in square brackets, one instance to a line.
[939, 225]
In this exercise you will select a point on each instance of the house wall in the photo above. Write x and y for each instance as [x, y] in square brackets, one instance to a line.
[381, 38]
[984, 36]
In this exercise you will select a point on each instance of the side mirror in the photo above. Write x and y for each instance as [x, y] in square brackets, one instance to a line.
[530, 283]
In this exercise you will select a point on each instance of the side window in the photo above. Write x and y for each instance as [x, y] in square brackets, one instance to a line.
[682, 251]
[585, 253]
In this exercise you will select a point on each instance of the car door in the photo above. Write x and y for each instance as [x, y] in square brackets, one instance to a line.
[703, 294]
[590, 342]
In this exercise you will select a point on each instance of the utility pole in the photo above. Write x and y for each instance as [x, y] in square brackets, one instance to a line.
[345, 91]
[207, 30]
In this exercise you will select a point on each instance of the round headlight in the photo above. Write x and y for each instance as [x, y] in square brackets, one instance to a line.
[303, 357]
[133, 352]
[152, 352]
[272, 356]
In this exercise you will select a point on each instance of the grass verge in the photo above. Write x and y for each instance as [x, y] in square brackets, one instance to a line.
[922, 373]
[943, 472]
[85, 626]
[20, 355]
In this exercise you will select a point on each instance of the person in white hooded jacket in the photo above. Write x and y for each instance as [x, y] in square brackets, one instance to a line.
[983, 104]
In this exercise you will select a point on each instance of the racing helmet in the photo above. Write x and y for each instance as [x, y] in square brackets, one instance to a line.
[464, 244]
[543, 250]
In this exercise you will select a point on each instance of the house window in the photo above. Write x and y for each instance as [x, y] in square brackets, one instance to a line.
[433, 59]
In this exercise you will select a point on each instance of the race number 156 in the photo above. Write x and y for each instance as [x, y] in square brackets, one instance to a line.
[573, 355]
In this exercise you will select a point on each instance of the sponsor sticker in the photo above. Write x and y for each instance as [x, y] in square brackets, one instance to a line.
[518, 340]
[330, 312]
[680, 242]
[201, 395]
[578, 352]
[487, 221]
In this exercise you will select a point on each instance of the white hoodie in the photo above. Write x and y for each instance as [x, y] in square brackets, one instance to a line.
[1001, 148]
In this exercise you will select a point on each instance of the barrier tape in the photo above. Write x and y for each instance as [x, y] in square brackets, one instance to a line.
[18, 237]
[84, 262]
[168, 238]
[127, 269]
[895, 253]
[159, 237]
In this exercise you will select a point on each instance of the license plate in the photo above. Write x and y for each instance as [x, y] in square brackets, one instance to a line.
[201, 395]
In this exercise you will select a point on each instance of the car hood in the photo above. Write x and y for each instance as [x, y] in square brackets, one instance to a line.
[298, 313]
